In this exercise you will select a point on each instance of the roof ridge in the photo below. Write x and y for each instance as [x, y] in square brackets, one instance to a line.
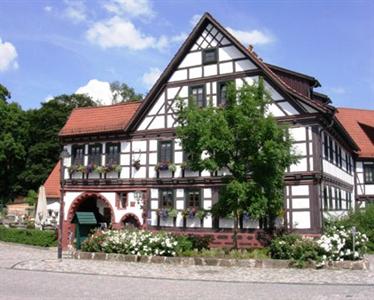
[110, 105]
[354, 108]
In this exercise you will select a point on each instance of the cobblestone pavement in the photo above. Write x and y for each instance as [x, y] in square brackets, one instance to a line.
[28, 258]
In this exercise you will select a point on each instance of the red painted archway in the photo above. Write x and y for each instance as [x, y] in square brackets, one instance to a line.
[130, 216]
[83, 197]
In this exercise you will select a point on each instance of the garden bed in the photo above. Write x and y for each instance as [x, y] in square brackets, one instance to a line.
[223, 262]
[35, 237]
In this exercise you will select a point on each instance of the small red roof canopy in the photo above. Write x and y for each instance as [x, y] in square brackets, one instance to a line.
[86, 120]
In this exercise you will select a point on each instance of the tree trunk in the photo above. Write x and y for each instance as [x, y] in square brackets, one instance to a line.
[235, 234]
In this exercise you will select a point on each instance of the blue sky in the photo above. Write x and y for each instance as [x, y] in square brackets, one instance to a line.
[48, 48]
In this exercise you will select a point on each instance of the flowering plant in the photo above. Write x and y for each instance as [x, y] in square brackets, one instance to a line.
[172, 212]
[338, 244]
[135, 242]
[163, 213]
[112, 168]
[172, 167]
[201, 213]
[162, 166]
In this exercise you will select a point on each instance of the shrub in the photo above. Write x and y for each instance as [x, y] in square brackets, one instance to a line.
[135, 242]
[184, 244]
[281, 247]
[28, 236]
[200, 242]
[337, 244]
[363, 219]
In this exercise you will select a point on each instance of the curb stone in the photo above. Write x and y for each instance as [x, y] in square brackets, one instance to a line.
[223, 262]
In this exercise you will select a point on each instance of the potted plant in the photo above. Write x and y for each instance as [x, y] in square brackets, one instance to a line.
[72, 169]
[136, 164]
[163, 213]
[172, 168]
[162, 166]
[172, 213]
[201, 213]
[192, 212]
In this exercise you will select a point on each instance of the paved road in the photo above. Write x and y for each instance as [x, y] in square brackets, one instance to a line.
[29, 273]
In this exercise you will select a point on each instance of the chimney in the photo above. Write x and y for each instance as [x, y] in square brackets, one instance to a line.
[250, 48]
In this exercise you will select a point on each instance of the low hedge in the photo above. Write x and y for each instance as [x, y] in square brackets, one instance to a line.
[28, 236]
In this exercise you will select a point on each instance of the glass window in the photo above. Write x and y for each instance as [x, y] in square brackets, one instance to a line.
[165, 151]
[331, 148]
[369, 173]
[330, 197]
[113, 153]
[193, 198]
[123, 199]
[326, 146]
[197, 94]
[340, 200]
[166, 199]
[325, 199]
[210, 56]
[78, 155]
[94, 154]
[336, 154]
[222, 93]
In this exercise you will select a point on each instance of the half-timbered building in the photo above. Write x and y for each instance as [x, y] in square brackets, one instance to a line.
[140, 168]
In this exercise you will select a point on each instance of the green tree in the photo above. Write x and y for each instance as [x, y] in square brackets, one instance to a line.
[13, 136]
[31, 197]
[248, 142]
[4, 93]
[123, 93]
[43, 145]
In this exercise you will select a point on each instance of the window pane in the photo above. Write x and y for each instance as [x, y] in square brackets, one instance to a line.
[167, 200]
[209, 56]
[78, 155]
[197, 94]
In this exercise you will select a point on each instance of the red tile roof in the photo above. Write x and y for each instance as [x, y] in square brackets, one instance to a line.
[52, 184]
[360, 125]
[85, 120]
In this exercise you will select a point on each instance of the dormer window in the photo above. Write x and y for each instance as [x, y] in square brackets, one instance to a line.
[210, 56]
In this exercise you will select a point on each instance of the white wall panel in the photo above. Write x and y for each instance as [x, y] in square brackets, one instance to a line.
[191, 59]
[301, 219]
[210, 70]
[178, 75]
[196, 72]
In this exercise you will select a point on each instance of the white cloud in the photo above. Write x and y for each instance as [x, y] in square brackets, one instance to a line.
[8, 56]
[118, 32]
[48, 98]
[150, 77]
[253, 37]
[48, 8]
[76, 11]
[131, 8]
[99, 91]
[195, 19]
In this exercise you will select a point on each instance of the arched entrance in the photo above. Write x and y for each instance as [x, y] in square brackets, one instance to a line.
[130, 221]
[95, 203]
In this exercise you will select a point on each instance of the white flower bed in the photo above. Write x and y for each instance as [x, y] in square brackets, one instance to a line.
[337, 244]
[135, 242]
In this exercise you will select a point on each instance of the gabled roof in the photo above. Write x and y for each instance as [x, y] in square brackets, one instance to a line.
[312, 80]
[359, 123]
[52, 184]
[89, 120]
[183, 50]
